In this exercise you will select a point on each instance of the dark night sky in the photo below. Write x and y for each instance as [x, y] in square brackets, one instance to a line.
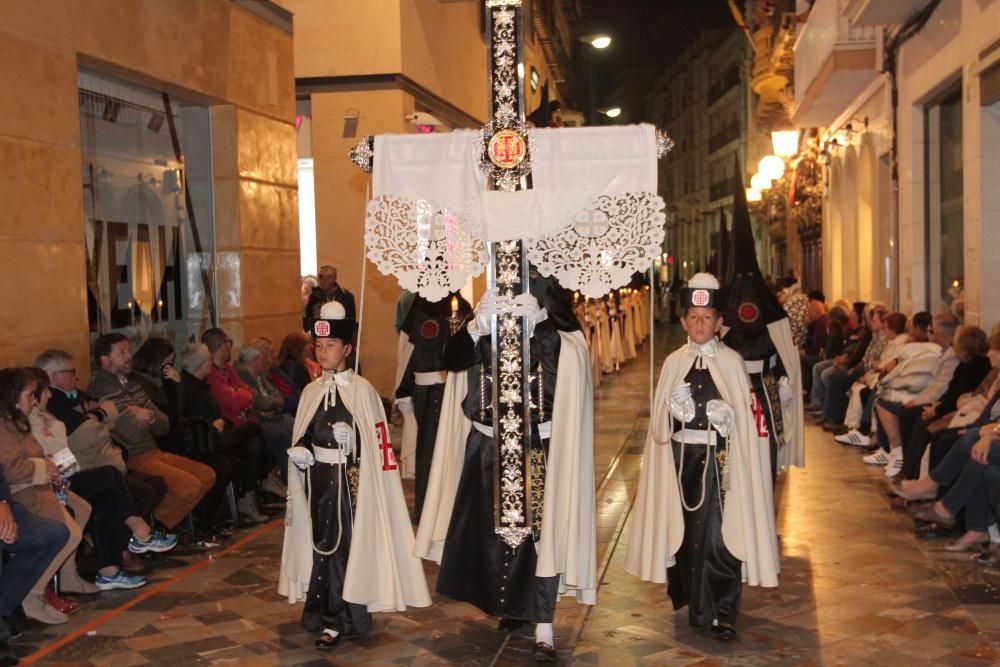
[649, 32]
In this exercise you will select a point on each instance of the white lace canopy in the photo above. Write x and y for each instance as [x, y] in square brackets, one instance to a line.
[591, 219]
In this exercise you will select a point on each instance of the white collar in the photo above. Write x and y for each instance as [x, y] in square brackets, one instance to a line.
[341, 378]
[707, 349]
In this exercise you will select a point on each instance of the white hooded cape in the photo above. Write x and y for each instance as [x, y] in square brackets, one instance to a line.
[793, 453]
[748, 516]
[568, 543]
[381, 570]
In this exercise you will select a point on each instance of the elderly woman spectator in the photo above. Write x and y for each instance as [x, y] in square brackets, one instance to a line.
[242, 445]
[269, 406]
[104, 488]
[33, 478]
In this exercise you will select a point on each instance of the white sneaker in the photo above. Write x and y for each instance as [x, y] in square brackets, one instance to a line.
[877, 458]
[895, 464]
[854, 437]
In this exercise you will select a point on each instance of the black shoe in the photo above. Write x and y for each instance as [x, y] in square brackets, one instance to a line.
[7, 657]
[509, 625]
[544, 652]
[724, 633]
[16, 623]
[325, 641]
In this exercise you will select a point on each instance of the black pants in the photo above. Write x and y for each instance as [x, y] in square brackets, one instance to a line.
[104, 488]
[247, 453]
[223, 468]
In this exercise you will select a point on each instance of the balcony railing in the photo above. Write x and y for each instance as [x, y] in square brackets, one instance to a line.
[826, 30]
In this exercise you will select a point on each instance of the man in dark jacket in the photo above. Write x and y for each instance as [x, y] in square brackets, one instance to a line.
[34, 541]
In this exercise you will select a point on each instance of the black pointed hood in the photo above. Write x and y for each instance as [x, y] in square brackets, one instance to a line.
[749, 303]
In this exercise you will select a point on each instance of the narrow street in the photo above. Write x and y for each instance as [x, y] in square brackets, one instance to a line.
[856, 588]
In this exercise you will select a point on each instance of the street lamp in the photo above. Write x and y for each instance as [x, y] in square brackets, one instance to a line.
[771, 166]
[613, 112]
[785, 142]
[753, 194]
[600, 41]
[760, 182]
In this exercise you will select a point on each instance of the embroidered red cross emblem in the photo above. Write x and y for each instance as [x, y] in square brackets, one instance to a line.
[388, 456]
[758, 415]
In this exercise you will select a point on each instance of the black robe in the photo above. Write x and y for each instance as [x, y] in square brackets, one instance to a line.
[333, 498]
[706, 577]
[477, 566]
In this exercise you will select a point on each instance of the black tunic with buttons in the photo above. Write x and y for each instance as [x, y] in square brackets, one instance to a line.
[477, 566]
[332, 510]
[706, 577]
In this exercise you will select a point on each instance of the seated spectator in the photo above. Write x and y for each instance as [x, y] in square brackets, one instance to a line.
[35, 543]
[970, 408]
[111, 503]
[269, 406]
[796, 304]
[294, 359]
[865, 344]
[237, 401]
[819, 363]
[964, 469]
[32, 478]
[242, 444]
[915, 385]
[890, 337]
[282, 382]
[138, 425]
[815, 335]
[834, 339]
[88, 424]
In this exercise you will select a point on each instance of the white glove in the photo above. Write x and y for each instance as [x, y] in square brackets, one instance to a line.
[721, 416]
[301, 457]
[786, 391]
[343, 435]
[405, 405]
[681, 403]
[525, 305]
[489, 305]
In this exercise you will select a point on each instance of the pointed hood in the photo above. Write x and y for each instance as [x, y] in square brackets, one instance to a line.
[749, 303]
[723, 252]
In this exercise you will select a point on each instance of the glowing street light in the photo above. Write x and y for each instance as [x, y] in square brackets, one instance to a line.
[600, 41]
[753, 194]
[771, 166]
[760, 182]
[613, 112]
[785, 142]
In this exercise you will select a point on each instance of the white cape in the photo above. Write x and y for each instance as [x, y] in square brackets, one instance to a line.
[748, 529]
[381, 572]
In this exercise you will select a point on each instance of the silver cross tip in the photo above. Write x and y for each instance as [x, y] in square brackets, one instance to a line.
[361, 154]
[664, 144]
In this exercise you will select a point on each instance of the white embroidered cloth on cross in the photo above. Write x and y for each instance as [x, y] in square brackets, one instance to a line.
[592, 217]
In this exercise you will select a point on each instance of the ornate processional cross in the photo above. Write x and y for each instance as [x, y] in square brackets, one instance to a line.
[506, 155]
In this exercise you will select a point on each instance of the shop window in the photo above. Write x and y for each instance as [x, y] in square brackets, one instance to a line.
[944, 237]
[148, 211]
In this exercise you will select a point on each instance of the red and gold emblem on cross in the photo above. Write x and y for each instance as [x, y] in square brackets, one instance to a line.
[507, 149]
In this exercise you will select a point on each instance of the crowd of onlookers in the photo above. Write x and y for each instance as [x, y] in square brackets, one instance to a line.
[918, 394]
[163, 446]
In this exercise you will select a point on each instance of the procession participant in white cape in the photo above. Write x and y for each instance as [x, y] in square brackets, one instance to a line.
[604, 324]
[703, 517]
[348, 538]
[420, 391]
[521, 584]
[759, 329]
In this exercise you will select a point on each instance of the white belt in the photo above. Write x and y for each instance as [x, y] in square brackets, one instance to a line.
[544, 429]
[429, 378]
[330, 456]
[757, 365]
[692, 437]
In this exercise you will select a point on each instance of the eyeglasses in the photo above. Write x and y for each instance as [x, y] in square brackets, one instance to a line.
[71, 371]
